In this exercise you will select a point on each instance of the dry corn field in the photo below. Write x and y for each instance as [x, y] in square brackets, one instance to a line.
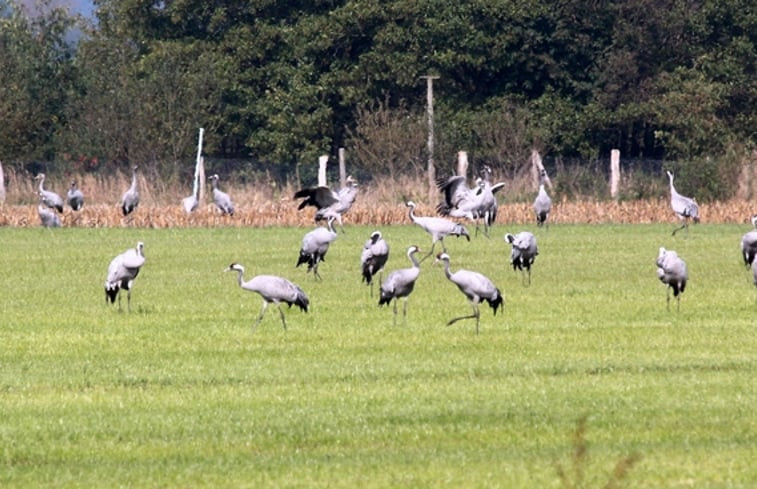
[265, 204]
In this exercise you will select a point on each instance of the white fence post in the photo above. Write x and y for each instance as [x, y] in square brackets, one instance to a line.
[614, 173]
[323, 160]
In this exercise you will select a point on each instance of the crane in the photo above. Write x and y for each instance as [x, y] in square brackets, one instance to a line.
[47, 216]
[523, 251]
[74, 197]
[122, 272]
[328, 202]
[49, 198]
[437, 227]
[542, 202]
[749, 244]
[221, 199]
[274, 290]
[489, 200]
[672, 271]
[130, 198]
[315, 244]
[474, 204]
[399, 284]
[685, 207]
[373, 258]
[476, 287]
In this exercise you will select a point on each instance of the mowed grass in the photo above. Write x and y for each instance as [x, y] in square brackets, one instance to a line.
[181, 393]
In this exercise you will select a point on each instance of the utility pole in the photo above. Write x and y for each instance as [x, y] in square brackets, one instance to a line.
[430, 111]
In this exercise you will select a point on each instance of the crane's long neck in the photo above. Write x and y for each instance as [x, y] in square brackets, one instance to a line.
[446, 269]
[239, 276]
[214, 183]
[42, 184]
[413, 259]
[134, 180]
[411, 213]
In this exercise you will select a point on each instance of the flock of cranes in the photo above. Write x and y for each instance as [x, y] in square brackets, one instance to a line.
[477, 204]
[51, 204]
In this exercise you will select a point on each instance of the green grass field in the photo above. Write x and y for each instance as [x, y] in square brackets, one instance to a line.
[181, 393]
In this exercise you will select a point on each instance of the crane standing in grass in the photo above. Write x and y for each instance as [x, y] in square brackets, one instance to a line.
[437, 227]
[523, 251]
[49, 198]
[542, 203]
[685, 207]
[373, 258]
[672, 271]
[47, 216]
[220, 198]
[74, 197]
[273, 290]
[315, 245]
[749, 244]
[122, 272]
[476, 287]
[399, 284]
[130, 198]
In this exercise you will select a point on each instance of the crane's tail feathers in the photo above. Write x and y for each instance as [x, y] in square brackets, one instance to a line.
[498, 302]
[110, 293]
[304, 258]
[302, 300]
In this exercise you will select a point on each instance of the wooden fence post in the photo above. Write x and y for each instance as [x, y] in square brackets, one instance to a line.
[537, 169]
[2, 184]
[614, 173]
[462, 163]
[342, 168]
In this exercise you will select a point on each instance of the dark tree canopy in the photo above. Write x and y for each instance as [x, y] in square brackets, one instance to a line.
[287, 81]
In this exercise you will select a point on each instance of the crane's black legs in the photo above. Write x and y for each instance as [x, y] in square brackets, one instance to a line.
[476, 315]
[433, 243]
[281, 313]
[395, 311]
[260, 316]
[684, 226]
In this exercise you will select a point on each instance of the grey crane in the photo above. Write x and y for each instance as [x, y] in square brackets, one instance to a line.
[274, 290]
[328, 202]
[122, 272]
[437, 227]
[221, 198]
[489, 200]
[315, 245]
[523, 251]
[672, 271]
[49, 198]
[685, 207]
[749, 244]
[476, 287]
[542, 202]
[373, 258]
[47, 216]
[399, 284]
[75, 197]
[130, 198]
[475, 204]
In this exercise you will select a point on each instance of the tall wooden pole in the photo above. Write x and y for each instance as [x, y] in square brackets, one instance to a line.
[431, 170]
